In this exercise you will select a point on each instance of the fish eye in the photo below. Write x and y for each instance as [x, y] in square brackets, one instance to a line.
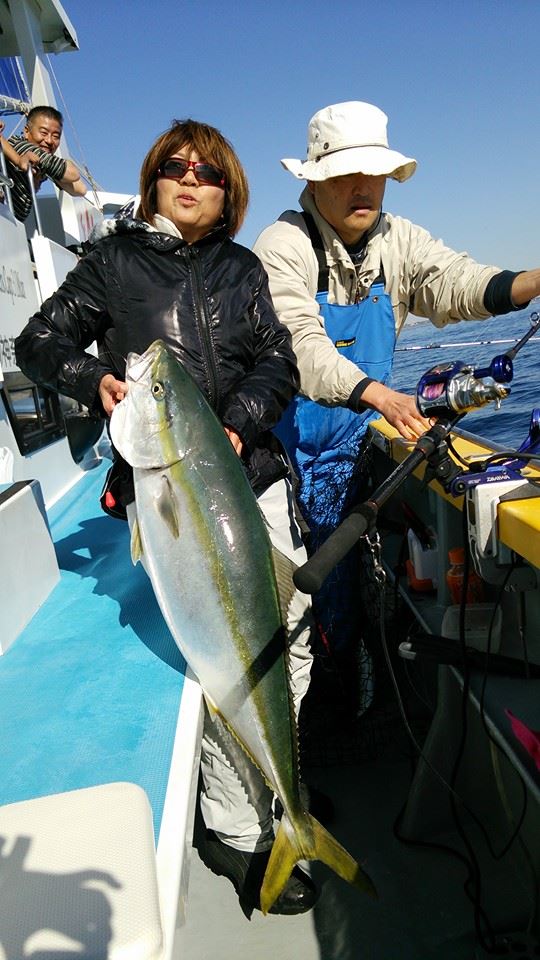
[158, 390]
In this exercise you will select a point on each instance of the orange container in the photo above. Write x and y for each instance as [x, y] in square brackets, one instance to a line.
[420, 586]
[454, 578]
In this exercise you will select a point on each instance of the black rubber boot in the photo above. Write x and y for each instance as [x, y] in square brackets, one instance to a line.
[246, 871]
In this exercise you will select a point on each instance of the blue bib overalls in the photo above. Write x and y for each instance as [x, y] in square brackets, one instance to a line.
[324, 443]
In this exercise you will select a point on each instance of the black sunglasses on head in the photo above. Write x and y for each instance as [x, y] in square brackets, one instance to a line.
[176, 169]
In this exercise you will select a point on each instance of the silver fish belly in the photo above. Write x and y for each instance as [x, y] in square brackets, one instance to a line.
[210, 560]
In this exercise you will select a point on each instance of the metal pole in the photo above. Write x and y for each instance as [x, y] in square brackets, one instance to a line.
[30, 176]
[6, 181]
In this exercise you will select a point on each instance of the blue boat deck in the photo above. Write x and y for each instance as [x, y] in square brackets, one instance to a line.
[91, 692]
[91, 689]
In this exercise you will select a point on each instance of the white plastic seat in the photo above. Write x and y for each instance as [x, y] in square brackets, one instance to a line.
[78, 877]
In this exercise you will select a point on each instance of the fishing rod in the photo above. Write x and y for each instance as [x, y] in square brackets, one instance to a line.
[445, 393]
[477, 343]
[457, 343]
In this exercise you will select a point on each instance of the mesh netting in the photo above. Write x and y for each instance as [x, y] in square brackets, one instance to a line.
[336, 725]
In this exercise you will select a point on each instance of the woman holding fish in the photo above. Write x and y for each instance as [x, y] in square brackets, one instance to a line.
[175, 275]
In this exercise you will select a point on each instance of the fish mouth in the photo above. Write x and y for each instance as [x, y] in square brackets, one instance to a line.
[139, 366]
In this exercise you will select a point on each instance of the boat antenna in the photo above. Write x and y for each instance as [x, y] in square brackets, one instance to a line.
[93, 183]
[21, 119]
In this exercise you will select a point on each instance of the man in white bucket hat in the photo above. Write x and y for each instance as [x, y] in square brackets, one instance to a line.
[343, 277]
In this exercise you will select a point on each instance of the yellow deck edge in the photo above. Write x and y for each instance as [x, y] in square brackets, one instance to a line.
[518, 520]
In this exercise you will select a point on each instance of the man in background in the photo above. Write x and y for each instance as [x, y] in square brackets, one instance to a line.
[38, 145]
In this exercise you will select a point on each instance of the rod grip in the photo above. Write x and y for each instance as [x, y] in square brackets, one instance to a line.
[310, 576]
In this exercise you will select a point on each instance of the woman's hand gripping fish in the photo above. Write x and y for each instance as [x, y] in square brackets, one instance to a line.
[214, 574]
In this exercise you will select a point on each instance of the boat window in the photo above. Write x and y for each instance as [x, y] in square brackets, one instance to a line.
[34, 413]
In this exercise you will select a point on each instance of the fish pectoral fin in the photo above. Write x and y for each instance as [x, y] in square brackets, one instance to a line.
[284, 569]
[136, 543]
[309, 841]
[168, 507]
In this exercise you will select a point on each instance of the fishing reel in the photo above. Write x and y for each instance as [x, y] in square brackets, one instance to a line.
[451, 389]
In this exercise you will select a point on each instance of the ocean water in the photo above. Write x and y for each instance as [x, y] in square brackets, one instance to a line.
[421, 346]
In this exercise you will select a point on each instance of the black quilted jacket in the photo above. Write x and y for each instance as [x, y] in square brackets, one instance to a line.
[208, 301]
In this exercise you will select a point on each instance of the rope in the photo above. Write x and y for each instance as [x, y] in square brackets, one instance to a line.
[10, 105]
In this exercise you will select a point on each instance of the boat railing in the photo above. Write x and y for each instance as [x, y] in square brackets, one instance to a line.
[66, 219]
[7, 183]
[476, 439]
[35, 207]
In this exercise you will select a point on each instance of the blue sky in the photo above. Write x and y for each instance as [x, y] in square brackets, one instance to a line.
[459, 80]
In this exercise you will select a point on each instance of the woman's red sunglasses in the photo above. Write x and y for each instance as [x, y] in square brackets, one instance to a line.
[176, 168]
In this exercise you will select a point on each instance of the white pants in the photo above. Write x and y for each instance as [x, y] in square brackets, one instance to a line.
[236, 802]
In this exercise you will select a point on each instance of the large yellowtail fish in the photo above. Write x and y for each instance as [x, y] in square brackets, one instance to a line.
[214, 574]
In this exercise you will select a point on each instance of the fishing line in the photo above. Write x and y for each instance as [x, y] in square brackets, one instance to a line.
[409, 730]
[495, 760]
[495, 749]
[423, 698]
[502, 455]
[473, 882]
[475, 876]
[494, 744]
[473, 885]
[478, 910]
[522, 636]
[93, 183]
[471, 864]
[17, 125]
[459, 458]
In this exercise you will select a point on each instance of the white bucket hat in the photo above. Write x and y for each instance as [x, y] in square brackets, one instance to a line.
[350, 138]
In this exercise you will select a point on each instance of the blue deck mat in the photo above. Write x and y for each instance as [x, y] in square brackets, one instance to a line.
[90, 690]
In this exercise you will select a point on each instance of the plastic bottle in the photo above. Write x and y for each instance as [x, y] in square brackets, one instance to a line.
[454, 578]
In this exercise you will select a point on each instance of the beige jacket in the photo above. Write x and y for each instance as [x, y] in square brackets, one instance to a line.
[422, 275]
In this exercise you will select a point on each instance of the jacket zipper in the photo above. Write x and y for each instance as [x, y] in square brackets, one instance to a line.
[203, 323]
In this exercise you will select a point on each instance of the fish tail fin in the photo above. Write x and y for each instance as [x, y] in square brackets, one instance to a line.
[330, 852]
[311, 843]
